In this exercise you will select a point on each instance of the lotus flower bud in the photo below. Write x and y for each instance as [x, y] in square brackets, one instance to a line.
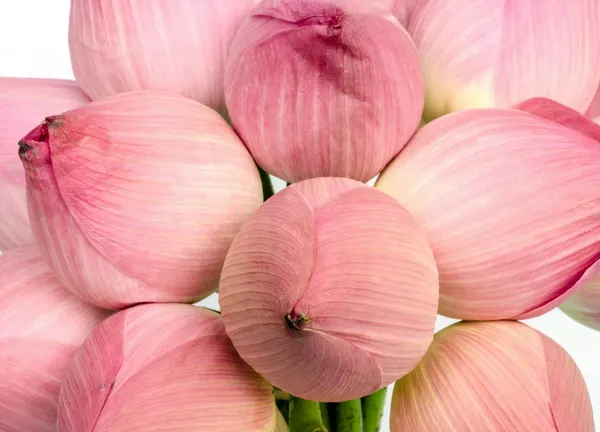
[584, 305]
[493, 376]
[510, 203]
[178, 46]
[330, 290]
[163, 367]
[494, 53]
[318, 89]
[41, 327]
[136, 198]
[23, 103]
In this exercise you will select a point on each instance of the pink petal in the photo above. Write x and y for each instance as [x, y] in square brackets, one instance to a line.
[167, 158]
[510, 205]
[355, 265]
[492, 376]
[41, 327]
[177, 46]
[593, 110]
[290, 57]
[494, 53]
[123, 377]
[404, 9]
[24, 103]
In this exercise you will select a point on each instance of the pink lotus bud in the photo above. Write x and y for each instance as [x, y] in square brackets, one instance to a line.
[41, 327]
[584, 305]
[497, 53]
[167, 367]
[178, 46]
[330, 290]
[510, 204]
[316, 88]
[24, 103]
[136, 198]
[493, 376]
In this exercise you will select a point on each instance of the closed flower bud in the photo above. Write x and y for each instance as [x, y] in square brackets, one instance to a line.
[136, 198]
[494, 53]
[41, 327]
[178, 46]
[155, 368]
[24, 103]
[330, 290]
[493, 376]
[510, 203]
[318, 88]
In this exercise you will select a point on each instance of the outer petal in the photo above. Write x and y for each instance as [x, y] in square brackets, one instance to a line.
[167, 158]
[593, 110]
[128, 382]
[510, 205]
[584, 306]
[41, 327]
[24, 103]
[494, 53]
[493, 376]
[290, 57]
[178, 46]
[330, 293]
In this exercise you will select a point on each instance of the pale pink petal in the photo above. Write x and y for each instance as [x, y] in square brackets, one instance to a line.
[24, 103]
[510, 204]
[312, 97]
[330, 294]
[492, 376]
[41, 327]
[404, 9]
[156, 184]
[569, 397]
[178, 46]
[493, 53]
[124, 379]
[593, 110]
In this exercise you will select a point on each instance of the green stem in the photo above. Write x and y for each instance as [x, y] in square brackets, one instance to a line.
[305, 416]
[372, 410]
[325, 416]
[267, 184]
[349, 416]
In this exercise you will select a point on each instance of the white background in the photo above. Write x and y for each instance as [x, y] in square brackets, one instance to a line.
[33, 43]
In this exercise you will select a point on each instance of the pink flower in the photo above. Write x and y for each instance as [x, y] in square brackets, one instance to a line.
[509, 201]
[493, 376]
[24, 103]
[330, 290]
[498, 53]
[178, 46]
[318, 88]
[163, 367]
[41, 327]
[137, 197]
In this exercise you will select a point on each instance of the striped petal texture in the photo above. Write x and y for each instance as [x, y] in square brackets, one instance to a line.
[510, 203]
[178, 46]
[41, 327]
[24, 103]
[494, 376]
[155, 368]
[137, 197]
[498, 53]
[330, 290]
[318, 88]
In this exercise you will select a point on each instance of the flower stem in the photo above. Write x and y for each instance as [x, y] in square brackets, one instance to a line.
[349, 416]
[325, 416]
[267, 184]
[305, 416]
[372, 410]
